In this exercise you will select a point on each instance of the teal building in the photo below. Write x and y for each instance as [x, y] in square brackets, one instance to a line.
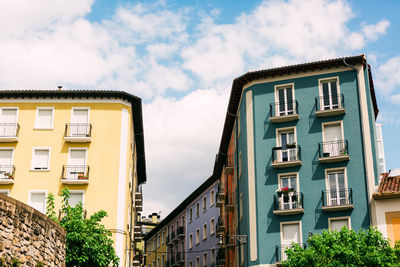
[305, 153]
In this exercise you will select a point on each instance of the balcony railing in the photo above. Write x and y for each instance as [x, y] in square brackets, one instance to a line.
[179, 257]
[284, 111]
[180, 232]
[221, 225]
[221, 191]
[280, 254]
[333, 151]
[221, 258]
[229, 164]
[230, 201]
[78, 132]
[9, 131]
[286, 156]
[288, 203]
[7, 174]
[329, 102]
[172, 260]
[75, 174]
[337, 199]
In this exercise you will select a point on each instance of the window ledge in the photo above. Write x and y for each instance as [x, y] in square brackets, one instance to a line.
[338, 207]
[33, 170]
[44, 129]
[330, 112]
[285, 118]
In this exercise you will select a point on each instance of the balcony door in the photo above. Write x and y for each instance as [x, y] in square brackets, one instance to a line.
[5, 163]
[290, 234]
[287, 154]
[285, 101]
[330, 95]
[8, 122]
[290, 200]
[80, 122]
[333, 140]
[76, 163]
[337, 194]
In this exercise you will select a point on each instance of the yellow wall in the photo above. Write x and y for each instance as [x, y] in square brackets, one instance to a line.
[152, 255]
[103, 156]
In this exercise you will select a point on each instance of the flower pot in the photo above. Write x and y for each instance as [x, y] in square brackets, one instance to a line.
[279, 194]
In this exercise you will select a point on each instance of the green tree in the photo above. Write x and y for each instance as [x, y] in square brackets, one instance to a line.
[344, 248]
[88, 243]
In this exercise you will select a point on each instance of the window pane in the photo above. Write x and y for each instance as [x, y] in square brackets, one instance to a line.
[75, 198]
[338, 224]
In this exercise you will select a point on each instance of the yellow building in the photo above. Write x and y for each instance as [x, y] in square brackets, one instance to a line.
[89, 141]
[156, 247]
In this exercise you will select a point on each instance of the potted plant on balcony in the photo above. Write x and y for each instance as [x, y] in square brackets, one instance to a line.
[291, 145]
[285, 191]
[81, 176]
[8, 176]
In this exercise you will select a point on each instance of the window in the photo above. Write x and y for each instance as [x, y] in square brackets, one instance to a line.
[338, 223]
[190, 241]
[163, 260]
[158, 241]
[8, 122]
[238, 123]
[79, 122]
[40, 159]
[76, 164]
[287, 143]
[44, 118]
[154, 244]
[190, 264]
[37, 200]
[336, 183]
[204, 204]
[284, 95]
[212, 226]
[212, 197]
[163, 237]
[197, 209]
[241, 206]
[241, 254]
[75, 197]
[5, 191]
[204, 231]
[6, 167]
[154, 264]
[158, 262]
[212, 259]
[205, 260]
[190, 214]
[240, 164]
[290, 233]
[198, 262]
[333, 141]
[197, 236]
[289, 201]
[149, 248]
[329, 94]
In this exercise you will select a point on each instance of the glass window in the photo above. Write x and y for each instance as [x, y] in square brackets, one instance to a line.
[212, 197]
[330, 95]
[212, 226]
[41, 158]
[197, 236]
[204, 203]
[338, 224]
[44, 118]
[205, 231]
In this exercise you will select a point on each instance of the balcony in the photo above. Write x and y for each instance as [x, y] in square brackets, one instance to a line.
[337, 199]
[333, 151]
[172, 260]
[221, 191]
[179, 258]
[221, 225]
[75, 174]
[9, 132]
[139, 199]
[286, 156]
[331, 105]
[221, 258]
[282, 112]
[288, 204]
[168, 239]
[7, 174]
[78, 132]
[229, 164]
[280, 254]
[180, 232]
[230, 202]
[137, 230]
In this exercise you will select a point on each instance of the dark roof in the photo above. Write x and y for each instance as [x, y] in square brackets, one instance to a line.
[136, 104]
[178, 210]
[389, 187]
[238, 83]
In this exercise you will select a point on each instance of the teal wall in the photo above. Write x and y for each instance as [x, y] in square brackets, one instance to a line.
[311, 173]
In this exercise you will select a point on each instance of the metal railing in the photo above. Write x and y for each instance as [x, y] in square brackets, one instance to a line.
[75, 172]
[78, 130]
[221, 255]
[9, 129]
[337, 197]
[179, 257]
[172, 260]
[278, 109]
[333, 148]
[286, 153]
[288, 201]
[280, 254]
[329, 102]
[7, 172]
[180, 231]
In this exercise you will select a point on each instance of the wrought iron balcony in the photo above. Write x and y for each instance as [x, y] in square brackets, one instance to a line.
[172, 260]
[337, 199]
[78, 132]
[9, 132]
[286, 156]
[180, 232]
[286, 111]
[280, 254]
[75, 174]
[7, 174]
[221, 257]
[330, 105]
[288, 203]
[229, 164]
[230, 201]
[333, 151]
[179, 258]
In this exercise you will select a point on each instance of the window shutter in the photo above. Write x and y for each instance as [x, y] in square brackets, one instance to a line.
[38, 201]
[44, 118]
[40, 159]
[75, 198]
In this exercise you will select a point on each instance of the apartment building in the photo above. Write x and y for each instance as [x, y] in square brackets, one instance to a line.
[305, 154]
[89, 141]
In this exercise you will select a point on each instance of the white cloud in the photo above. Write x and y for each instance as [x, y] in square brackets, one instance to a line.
[373, 31]
[388, 76]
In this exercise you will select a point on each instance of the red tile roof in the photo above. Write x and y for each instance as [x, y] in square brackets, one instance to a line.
[389, 187]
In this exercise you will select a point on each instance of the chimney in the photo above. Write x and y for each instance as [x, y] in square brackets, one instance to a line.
[59, 88]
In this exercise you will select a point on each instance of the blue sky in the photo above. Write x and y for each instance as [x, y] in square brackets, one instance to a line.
[180, 57]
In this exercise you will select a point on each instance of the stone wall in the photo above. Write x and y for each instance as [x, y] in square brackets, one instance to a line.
[29, 235]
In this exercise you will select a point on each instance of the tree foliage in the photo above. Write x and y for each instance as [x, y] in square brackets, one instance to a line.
[344, 248]
[88, 243]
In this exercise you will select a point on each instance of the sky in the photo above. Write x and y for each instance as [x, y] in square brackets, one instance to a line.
[181, 56]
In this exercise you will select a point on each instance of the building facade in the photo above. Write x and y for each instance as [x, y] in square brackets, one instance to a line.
[305, 153]
[380, 150]
[89, 141]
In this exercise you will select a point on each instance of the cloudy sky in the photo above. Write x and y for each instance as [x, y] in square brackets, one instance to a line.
[180, 57]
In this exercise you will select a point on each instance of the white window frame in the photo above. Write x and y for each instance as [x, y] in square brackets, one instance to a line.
[331, 123]
[205, 231]
[16, 116]
[12, 153]
[281, 233]
[320, 91]
[74, 108]
[284, 175]
[205, 259]
[197, 209]
[278, 132]
[212, 197]
[37, 116]
[77, 148]
[79, 191]
[190, 215]
[197, 241]
[205, 203]
[329, 170]
[190, 241]
[38, 191]
[348, 218]
[212, 226]
[6, 191]
[49, 161]
[281, 86]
